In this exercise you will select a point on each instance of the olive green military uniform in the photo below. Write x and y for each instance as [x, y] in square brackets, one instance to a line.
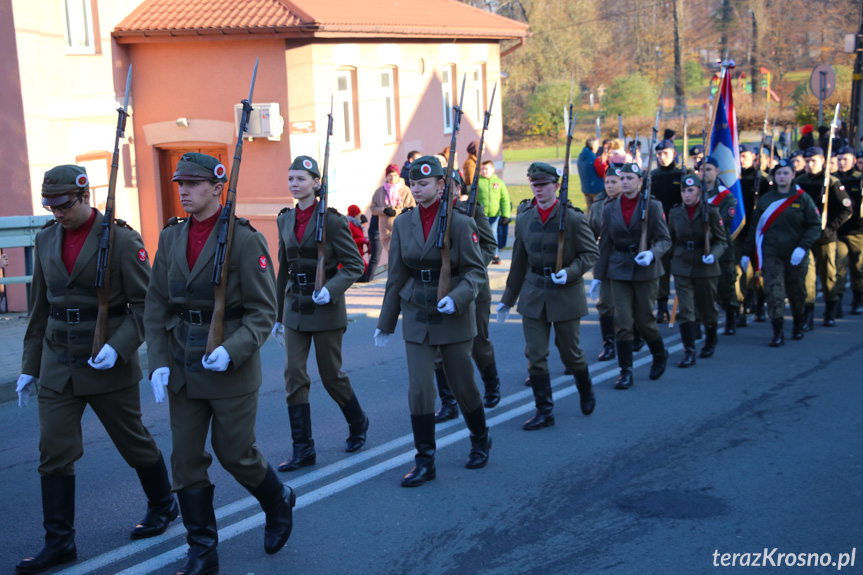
[665, 187]
[605, 303]
[727, 289]
[177, 319]
[849, 249]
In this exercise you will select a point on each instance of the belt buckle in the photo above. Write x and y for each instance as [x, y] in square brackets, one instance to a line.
[425, 276]
[196, 317]
[301, 279]
[73, 316]
[547, 271]
[690, 245]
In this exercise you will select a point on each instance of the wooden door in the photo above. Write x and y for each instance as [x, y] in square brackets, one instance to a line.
[168, 158]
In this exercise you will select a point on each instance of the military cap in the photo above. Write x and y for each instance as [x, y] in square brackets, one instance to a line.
[196, 166]
[812, 152]
[613, 170]
[711, 160]
[696, 150]
[860, 154]
[542, 172]
[794, 154]
[426, 167]
[692, 180]
[845, 150]
[668, 134]
[807, 129]
[62, 183]
[306, 163]
[782, 164]
[665, 144]
[631, 168]
[747, 148]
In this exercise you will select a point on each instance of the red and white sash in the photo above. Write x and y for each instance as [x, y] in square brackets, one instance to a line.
[773, 211]
[717, 199]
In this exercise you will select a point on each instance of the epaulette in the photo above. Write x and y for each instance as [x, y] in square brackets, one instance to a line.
[123, 224]
[246, 223]
[462, 209]
[524, 201]
[406, 210]
[334, 210]
[284, 210]
[174, 221]
[571, 207]
[49, 223]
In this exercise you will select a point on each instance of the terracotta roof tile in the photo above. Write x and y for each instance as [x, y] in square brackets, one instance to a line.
[316, 18]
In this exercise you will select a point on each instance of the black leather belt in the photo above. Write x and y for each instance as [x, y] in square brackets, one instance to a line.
[304, 282]
[74, 316]
[205, 316]
[430, 276]
[542, 271]
[630, 249]
[692, 245]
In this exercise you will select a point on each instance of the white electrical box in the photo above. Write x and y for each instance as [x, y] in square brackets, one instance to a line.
[264, 121]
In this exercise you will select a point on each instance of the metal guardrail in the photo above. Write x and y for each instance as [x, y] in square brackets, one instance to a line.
[20, 232]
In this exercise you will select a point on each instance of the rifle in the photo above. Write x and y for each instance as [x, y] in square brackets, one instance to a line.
[563, 195]
[704, 202]
[471, 200]
[445, 219]
[757, 185]
[645, 196]
[826, 187]
[106, 237]
[321, 229]
[226, 231]
[772, 140]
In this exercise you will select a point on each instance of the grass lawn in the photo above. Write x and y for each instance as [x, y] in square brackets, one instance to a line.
[534, 154]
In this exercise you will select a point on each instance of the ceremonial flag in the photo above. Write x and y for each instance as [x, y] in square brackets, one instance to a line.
[723, 144]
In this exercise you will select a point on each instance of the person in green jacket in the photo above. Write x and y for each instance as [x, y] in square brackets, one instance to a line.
[492, 195]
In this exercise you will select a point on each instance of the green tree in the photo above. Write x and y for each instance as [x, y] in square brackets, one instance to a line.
[631, 95]
[695, 80]
[545, 108]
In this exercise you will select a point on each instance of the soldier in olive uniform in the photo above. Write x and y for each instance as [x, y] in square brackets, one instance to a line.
[665, 187]
[634, 274]
[57, 347]
[785, 227]
[547, 297]
[221, 387]
[849, 249]
[605, 299]
[823, 263]
[749, 287]
[727, 289]
[696, 274]
[310, 316]
[431, 325]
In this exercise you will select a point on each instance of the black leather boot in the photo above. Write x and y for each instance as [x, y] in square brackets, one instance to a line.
[491, 382]
[778, 333]
[586, 396]
[730, 321]
[857, 303]
[829, 314]
[202, 534]
[624, 361]
[662, 314]
[797, 328]
[810, 317]
[162, 508]
[301, 435]
[58, 518]
[606, 326]
[687, 336]
[696, 330]
[759, 308]
[741, 316]
[543, 416]
[711, 341]
[837, 310]
[480, 442]
[448, 406]
[277, 500]
[660, 357]
[424, 469]
[358, 424]
[637, 340]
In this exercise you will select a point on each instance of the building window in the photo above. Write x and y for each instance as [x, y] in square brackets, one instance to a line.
[389, 77]
[98, 166]
[79, 27]
[475, 96]
[447, 73]
[345, 120]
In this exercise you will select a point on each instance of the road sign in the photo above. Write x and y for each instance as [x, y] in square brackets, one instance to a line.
[822, 82]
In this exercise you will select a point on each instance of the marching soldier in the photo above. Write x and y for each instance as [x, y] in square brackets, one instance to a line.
[221, 387]
[749, 288]
[786, 224]
[430, 325]
[727, 285]
[665, 187]
[57, 346]
[696, 274]
[823, 263]
[547, 298]
[634, 275]
[604, 299]
[482, 351]
[849, 249]
[798, 163]
[319, 317]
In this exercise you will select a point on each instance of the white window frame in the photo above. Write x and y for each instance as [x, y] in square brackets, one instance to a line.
[388, 100]
[446, 85]
[476, 93]
[79, 27]
[344, 111]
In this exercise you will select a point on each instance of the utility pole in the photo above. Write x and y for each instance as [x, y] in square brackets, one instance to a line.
[755, 60]
[679, 77]
[855, 128]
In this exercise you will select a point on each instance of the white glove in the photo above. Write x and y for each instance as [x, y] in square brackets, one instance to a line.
[446, 305]
[644, 258]
[159, 381]
[502, 312]
[23, 388]
[381, 338]
[797, 256]
[105, 359]
[708, 259]
[744, 263]
[321, 297]
[218, 360]
[594, 289]
[279, 333]
[559, 278]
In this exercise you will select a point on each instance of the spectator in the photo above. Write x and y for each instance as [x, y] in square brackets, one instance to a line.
[387, 201]
[492, 195]
[406, 168]
[4, 261]
[785, 141]
[356, 219]
[807, 140]
[591, 183]
[469, 166]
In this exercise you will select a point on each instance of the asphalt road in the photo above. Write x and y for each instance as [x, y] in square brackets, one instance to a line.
[755, 448]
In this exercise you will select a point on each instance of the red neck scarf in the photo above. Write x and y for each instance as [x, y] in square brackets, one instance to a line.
[691, 210]
[199, 233]
[543, 214]
[627, 207]
[427, 216]
[302, 220]
[73, 241]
